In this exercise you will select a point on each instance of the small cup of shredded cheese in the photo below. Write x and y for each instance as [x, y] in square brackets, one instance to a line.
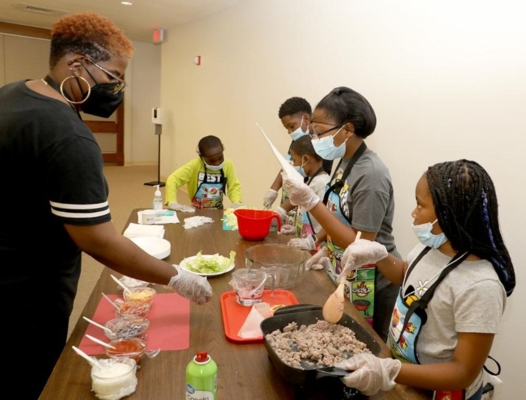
[143, 294]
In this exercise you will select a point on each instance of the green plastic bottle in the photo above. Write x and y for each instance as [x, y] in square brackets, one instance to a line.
[201, 378]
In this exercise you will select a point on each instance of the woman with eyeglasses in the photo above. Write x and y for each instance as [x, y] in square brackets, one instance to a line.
[359, 198]
[53, 165]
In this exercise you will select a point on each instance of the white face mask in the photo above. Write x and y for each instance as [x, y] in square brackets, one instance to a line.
[215, 167]
[299, 132]
[426, 237]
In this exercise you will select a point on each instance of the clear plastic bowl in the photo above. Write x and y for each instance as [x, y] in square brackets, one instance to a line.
[132, 348]
[284, 265]
[123, 328]
[131, 309]
[114, 378]
[143, 294]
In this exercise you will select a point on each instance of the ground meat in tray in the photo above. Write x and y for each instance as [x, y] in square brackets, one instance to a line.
[315, 345]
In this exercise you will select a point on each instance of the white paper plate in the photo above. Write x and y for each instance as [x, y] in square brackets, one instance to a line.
[156, 247]
[189, 259]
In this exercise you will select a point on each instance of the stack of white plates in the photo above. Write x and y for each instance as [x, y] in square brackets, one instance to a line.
[156, 247]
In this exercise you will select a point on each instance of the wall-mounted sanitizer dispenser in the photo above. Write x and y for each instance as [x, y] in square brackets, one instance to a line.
[157, 116]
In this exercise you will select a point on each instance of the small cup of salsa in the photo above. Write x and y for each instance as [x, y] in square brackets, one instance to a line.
[132, 348]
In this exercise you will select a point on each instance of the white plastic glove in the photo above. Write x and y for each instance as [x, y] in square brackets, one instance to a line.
[288, 229]
[237, 205]
[370, 373]
[300, 194]
[320, 260]
[173, 205]
[269, 198]
[303, 243]
[283, 215]
[361, 252]
[191, 286]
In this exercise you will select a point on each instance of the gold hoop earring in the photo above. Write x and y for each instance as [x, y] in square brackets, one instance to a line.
[71, 101]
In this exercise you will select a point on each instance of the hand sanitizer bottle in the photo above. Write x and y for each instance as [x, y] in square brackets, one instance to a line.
[157, 199]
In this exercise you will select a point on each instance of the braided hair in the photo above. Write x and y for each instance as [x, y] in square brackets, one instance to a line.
[344, 105]
[466, 206]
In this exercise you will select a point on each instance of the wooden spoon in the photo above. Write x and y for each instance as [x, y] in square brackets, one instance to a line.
[333, 307]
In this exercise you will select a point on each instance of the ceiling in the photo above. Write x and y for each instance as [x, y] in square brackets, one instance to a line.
[138, 20]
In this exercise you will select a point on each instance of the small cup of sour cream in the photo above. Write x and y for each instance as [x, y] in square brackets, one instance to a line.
[114, 378]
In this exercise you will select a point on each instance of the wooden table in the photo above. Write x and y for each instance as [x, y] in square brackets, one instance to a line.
[244, 370]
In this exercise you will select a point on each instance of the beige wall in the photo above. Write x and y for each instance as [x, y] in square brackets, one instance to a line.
[446, 80]
[25, 58]
[144, 76]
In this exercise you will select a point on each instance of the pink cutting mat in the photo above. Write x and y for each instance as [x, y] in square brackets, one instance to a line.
[169, 324]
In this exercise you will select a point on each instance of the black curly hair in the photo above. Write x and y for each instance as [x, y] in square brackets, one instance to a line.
[466, 206]
[89, 34]
[293, 106]
[209, 142]
[303, 147]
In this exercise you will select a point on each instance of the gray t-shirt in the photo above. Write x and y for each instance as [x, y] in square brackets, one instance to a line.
[469, 299]
[367, 200]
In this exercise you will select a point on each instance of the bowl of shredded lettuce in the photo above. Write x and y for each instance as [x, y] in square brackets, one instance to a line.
[209, 265]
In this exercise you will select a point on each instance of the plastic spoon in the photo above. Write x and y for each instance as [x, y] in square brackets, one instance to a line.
[122, 285]
[93, 361]
[333, 307]
[111, 302]
[94, 339]
[99, 325]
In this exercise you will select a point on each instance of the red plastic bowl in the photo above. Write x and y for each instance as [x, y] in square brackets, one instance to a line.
[255, 224]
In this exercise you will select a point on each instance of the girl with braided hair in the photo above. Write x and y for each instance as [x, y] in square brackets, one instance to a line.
[453, 288]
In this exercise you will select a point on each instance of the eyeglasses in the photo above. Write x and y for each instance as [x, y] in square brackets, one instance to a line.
[317, 136]
[119, 87]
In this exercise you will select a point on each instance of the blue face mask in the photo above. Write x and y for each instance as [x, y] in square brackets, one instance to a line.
[215, 167]
[423, 233]
[299, 132]
[301, 171]
[326, 149]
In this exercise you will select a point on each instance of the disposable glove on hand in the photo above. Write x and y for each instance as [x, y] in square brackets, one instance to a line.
[283, 215]
[361, 252]
[237, 205]
[288, 229]
[191, 286]
[269, 198]
[370, 373]
[173, 205]
[303, 243]
[299, 193]
[320, 260]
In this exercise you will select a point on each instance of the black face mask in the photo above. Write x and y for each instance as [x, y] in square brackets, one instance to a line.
[102, 102]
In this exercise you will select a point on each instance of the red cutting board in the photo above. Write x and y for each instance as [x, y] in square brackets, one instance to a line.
[169, 324]
[234, 314]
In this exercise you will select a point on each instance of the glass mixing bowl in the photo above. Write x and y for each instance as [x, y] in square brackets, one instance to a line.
[284, 265]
